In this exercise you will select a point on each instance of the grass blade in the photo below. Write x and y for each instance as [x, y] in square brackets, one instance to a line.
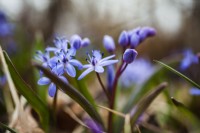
[73, 93]
[187, 116]
[142, 105]
[178, 73]
[7, 128]
[29, 94]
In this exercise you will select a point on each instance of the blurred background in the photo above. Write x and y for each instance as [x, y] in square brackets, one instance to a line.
[177, 21]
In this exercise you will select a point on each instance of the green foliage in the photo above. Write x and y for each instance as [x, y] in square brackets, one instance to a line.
[29, 94]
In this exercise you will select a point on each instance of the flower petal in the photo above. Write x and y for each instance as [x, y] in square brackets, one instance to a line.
[76, 63]
[63, 79]
[107, 58]
[108, 62]
[87, 66]
[70, 70]
[99, 69]
[52, 90]
[85, 73]
[43, 81]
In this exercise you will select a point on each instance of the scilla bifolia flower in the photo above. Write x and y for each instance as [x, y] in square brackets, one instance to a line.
[52, 86]
[109, 43]
[96, 63]
[77, 42]
[129, 55]
[136, 36]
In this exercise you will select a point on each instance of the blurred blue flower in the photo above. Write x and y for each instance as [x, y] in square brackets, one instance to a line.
[137, 72]
[136, 36]
[96, 63]
[77, 42]
[2, 80]
[109, 43]
[188, 59]
[110, 77]
[94, 126]
[52, 87]
[123, 39]
[67, 62]
[6, 28]
[129, 55]
[194, 91]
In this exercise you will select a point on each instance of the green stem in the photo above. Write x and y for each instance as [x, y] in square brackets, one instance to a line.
[103, 87]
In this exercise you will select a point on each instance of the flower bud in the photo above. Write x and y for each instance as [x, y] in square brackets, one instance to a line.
[76, 42]
[110, 77]
[109, 43]
[135, 40]
[123, 39]
[146, 32]
[85, 42]
[129, 55]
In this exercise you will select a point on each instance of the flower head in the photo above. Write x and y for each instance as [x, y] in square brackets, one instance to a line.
[123, 39]
[188, 59]
[52, 87]
[137, 72]
[109, 43]
[129, 55]
[67, 62]
[194, 91]
[94, 126]
[77, 42]
[96, 63]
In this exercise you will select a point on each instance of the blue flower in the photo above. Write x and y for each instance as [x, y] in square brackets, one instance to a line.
[137, 72]
[52, 87]
[96, 63]
[136, 36]
[110, 77]
[194, 91]
[67, 62]
[61, 43]
[189, 58]
[2, 80]
[94, 126]
[129, 55]
[77, 42]
[6, 28]
[43, 57]
[109, 43]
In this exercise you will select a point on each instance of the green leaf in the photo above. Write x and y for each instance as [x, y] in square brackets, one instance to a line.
[144, 103]
[29, 94]
[178, 73]
[7, 128]
[189, 118]
[84, 90]
[73, 93]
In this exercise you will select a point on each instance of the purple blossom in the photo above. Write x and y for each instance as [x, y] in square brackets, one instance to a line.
[137, 72]
[129, 55]
[109, 43]
[52, 87]
[123, 39]
[110, 76]
[67, 62]
[194, 91]
[85, 42]
[96, 63]
[188, 59]
[77, 42]
[136, 36]
[94, 126]
[6, 28]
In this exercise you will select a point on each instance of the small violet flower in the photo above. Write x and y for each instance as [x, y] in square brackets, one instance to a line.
[137, 72]
[189, 58]
[96, 63]
[67, 62]
[129, 55]
[77, 42]
[6, 28]
[194, 91]
[94, 126]
[52, 86]
[109, 43]
[136, 36]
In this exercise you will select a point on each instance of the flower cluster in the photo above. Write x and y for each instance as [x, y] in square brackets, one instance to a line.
[62, 62]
